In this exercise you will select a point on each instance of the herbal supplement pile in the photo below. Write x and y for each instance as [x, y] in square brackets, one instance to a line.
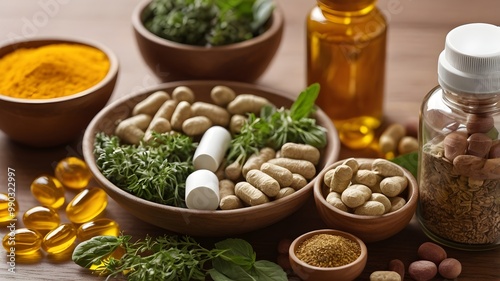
[327, 250]
[51, 71]
[371, 190]
[262, 152]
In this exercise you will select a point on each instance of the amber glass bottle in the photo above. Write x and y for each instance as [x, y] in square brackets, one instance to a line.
[346, 53]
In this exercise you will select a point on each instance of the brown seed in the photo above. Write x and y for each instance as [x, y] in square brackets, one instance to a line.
[479, 123]
[450, 268]
[422, 270]
[455, 144]
[397, 266]
[479, 145]
[431, 252]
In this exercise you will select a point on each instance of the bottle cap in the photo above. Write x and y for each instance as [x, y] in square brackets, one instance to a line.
[470, 62]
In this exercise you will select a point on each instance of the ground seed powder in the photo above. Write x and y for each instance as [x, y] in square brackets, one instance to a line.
[326, 250]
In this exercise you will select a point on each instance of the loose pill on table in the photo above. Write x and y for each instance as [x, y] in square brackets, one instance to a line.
[8, 208]
[385, 276]
[60, 239]
[22, 241]
[98, 227]
[73, 173]
[42, 219]
[87, 205]
[48, 190]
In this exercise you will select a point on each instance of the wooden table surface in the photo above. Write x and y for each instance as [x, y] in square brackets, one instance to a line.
[416, 37]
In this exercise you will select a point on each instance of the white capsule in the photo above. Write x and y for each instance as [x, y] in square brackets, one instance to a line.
[212, 148]
[202, 190]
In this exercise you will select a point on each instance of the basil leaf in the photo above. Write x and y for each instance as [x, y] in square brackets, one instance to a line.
[409, 162]
[305, 103]
[93, 250]
[238, 251]
[217, 276]
[231, 271]
[266, 270]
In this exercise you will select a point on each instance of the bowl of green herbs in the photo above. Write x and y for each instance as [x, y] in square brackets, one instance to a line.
[208, 39]
[149, 179]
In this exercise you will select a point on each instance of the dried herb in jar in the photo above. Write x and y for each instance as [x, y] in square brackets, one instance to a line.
[327, 250]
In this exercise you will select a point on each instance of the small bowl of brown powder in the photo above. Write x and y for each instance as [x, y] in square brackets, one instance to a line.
[328, 254]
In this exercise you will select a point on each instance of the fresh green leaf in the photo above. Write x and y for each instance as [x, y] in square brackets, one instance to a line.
[231, 270]
[408, 161]
[238, 251]
[92, 251]
[305, 103]
[269, 271]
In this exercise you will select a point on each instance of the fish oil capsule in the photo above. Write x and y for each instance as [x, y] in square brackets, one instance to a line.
[8, 208]
[73, 173]
[22, 241]
[42, 219]
[59, 239]
[48, 190]
[87, 205]
[98, 227]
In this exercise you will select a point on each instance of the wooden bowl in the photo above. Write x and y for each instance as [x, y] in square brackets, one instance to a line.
[56, 121]
[203, 222]
[368, 228]
[171, 61]
[346, 272]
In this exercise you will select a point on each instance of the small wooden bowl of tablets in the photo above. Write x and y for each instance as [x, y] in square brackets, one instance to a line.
[212, 191]
[373, 199]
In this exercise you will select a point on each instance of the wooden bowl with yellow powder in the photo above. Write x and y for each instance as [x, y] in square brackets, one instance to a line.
[50, 88]
[328, 254]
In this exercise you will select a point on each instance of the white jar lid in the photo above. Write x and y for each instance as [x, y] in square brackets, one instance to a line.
[470, 62]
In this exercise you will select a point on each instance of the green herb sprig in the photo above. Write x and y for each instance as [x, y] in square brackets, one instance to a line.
[208, 22]
[174, 258]
[277, 126]
[154, 170]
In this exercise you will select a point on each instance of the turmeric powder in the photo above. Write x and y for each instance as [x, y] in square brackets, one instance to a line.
[51, 71]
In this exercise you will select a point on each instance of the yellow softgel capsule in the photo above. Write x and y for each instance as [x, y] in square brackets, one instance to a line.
[48, 190]
[42, 219]
[22, 241]
[73, 173]
[8, 208]
[87, 205]
[98, 227]
[59, 239]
